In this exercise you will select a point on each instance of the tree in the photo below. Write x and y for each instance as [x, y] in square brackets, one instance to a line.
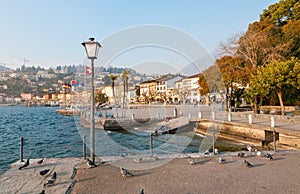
[277, 76]
[291, 34]
[234, 75]
[124, 76]
[100, 98]
[113, 79]
[203, 87]
[282, 12]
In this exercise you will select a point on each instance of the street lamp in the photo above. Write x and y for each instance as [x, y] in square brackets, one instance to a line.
[92, 48]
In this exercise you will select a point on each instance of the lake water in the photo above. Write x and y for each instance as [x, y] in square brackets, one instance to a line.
[48, 134]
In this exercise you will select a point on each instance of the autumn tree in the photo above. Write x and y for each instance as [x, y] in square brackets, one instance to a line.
[204, 89]
[233, 74]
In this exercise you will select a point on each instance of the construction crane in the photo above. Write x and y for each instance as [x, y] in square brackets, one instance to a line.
[23, 59]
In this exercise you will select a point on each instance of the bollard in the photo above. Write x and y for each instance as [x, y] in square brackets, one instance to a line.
[272, 122]
[175, 112]
[180, 113]
[274, 139]
[84, 147]
[132, 117]
[151, 144]
[21, 149]
[213, 142]
[189, 115]
[104, 114]
[199, 115]
[213, 115]
[250, 118]
[229, 116]
[158, 116]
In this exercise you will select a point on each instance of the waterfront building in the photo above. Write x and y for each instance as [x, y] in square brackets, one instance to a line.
[147, 90]
[165, 86]
[187, 90]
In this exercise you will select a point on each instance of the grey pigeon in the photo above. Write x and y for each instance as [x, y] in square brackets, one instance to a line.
[221, 160]
[249, 148]
[259, 153]
[125, 173]
[91, 164]
[44, 172]
[248, 165]
[40, 161]
[241, 154]
[191, 160]
[25, 164]
[51, 180]
[138, 160]
[269, 156]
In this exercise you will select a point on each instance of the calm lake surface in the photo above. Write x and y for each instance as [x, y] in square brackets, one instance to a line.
[48, 134]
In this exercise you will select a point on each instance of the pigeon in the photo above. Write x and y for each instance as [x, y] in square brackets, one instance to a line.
[216, 151]
[269, 156]
[25, 164]
[241, 154]
[42, 192]
[142, 191]
[125, 173]
[91, 164]
[154, 157]
[248, 165]
[123, 155]
[249, 148]
[207, 152]
[51, 180]
[221, 160]
[191, 160]
[44, 172]
[40, 161]
[258, 153]
[138, 160]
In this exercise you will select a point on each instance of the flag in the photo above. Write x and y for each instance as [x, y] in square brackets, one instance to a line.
[66, 86]
[88, 70]
[81, 84]
[74, 83]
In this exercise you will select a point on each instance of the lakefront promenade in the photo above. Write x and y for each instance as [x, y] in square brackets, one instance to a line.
[172, 173]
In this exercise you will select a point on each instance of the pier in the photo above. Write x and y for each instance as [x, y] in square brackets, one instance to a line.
[244, 126]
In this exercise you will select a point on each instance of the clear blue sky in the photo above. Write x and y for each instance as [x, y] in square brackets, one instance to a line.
[49, 32]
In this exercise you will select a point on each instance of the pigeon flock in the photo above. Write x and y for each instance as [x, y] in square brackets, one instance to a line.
[43, 173]
[125, 173]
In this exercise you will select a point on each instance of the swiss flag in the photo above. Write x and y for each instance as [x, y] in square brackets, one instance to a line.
[88, 70]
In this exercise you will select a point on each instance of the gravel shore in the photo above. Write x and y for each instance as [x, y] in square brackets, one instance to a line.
[280, 175]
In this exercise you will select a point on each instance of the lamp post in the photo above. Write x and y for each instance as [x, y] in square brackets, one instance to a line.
[92, 48]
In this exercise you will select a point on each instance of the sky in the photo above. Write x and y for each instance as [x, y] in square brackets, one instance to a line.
[48, 33]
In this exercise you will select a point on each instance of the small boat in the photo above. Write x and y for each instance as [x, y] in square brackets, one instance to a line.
[69, 112]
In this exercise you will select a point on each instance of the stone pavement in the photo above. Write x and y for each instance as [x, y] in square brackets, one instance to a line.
[28, 180]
